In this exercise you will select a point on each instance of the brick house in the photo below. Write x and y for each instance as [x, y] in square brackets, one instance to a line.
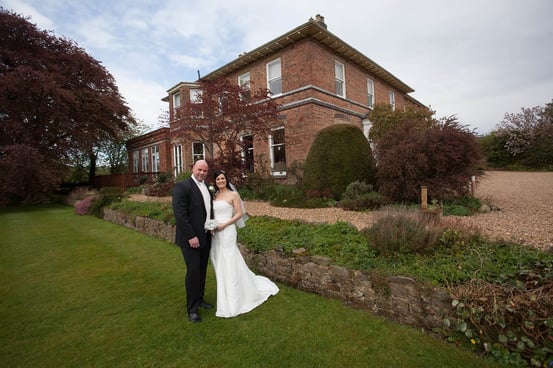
[318, 80]
[150, 152]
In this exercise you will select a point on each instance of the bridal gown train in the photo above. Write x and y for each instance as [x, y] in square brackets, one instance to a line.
[239, 290]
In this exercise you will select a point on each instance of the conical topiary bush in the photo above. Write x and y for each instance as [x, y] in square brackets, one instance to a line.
[339, 156]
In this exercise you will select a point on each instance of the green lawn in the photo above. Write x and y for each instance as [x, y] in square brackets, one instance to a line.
[77, 291]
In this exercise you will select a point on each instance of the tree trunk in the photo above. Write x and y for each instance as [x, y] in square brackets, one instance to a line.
[92, 168]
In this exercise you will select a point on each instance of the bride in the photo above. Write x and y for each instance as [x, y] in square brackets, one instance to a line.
[239, 290]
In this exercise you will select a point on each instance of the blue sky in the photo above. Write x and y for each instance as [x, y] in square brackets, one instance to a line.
[476, 59]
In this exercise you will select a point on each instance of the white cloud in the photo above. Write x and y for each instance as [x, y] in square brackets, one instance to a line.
[190, 61]
[143, 97]
[27, 10]
[99, 33]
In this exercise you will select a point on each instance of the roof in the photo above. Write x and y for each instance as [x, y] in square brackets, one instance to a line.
[314, 29]
[163, 131]
[176, 87]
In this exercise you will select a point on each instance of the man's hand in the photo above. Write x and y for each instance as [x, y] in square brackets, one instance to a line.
[194, 242]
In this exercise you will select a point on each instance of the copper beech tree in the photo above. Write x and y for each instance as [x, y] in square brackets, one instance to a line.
[221, 114]
[443, 157]
[56, 102]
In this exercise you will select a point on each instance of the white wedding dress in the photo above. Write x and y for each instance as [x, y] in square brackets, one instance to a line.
[239, 290]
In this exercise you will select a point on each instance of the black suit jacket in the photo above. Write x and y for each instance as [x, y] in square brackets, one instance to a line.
[190, 213]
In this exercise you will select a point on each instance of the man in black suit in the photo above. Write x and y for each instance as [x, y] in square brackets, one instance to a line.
[192, 206]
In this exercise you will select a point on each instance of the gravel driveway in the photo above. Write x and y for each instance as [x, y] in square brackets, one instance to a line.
[524, 199]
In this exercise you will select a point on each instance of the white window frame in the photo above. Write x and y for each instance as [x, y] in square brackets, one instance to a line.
[370, 93]
[244, 82]
[272, 147]
[197, 156]
[155, 158]
[177, 159]
[194, 94]
[136, 161]
[145, 160]
[339, 68]
[274, 76]
[392, 98]
[176, 101]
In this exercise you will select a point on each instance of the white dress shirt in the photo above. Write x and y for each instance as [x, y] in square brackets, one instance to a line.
[205, 195]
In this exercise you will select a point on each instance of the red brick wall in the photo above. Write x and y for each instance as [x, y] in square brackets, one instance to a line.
[159, 137]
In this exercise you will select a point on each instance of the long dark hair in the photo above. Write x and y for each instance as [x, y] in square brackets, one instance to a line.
[221, 172]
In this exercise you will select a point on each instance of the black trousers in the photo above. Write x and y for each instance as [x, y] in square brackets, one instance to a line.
[196, 260]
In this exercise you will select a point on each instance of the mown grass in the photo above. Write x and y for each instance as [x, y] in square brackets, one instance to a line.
[77, 291]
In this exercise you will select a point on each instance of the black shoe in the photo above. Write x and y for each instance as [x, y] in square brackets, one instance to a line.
[205, 305]
[194, 317]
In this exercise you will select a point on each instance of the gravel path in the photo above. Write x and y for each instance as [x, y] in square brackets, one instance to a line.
[524, 199]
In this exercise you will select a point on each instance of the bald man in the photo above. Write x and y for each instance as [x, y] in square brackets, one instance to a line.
[192, 203]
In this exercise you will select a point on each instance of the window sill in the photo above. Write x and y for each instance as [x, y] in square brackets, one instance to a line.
[278, 174]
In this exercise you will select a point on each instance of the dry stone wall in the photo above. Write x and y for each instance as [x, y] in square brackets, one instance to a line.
[398, 298]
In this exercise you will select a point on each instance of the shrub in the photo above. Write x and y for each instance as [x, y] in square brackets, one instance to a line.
[339, 155]
[292, 196]
[442, 157]
[134, 190]
[359, 196]
[159, 189]
[368, 201]
[183, 176]
[27, 176]
[394, 235]
[78, 193]
[258, 186]
[163, 178]
[357, 189]
[107, 195]
[286, 196]
[385, 119]
[464, 206]
[493, 148]
[83, 206]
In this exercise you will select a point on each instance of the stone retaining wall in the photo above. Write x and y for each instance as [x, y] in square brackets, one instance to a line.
[145, 225]
[398, 298]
